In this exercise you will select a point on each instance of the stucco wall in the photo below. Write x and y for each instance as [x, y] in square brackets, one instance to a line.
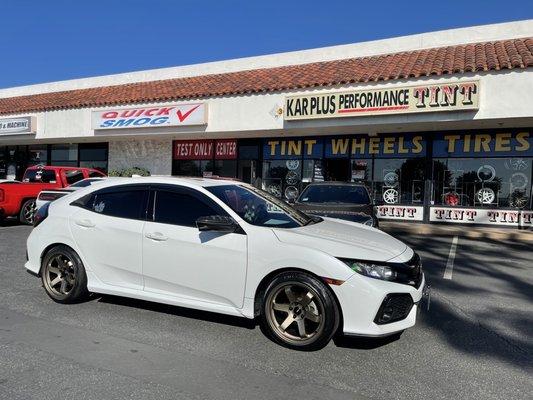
[151, 154]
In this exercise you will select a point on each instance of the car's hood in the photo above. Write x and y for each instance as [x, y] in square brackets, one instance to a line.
[346, 239]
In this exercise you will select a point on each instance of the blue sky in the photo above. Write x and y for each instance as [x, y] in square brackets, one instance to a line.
[49, 40]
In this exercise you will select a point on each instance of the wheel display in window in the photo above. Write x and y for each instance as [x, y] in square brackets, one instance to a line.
[486, 196]
[518, 180]
[517, 199]
[486, 173]
[292, 164]
[292, 178]
[390, 196]
[451, 199]
[291, 193]
[390, 179]
[516, 164]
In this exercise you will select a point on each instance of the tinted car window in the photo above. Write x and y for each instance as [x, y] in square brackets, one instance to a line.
[73, 176]
[85, 182]
[95, 174]
[335, 194]
[180, 208]
[40, 176]
[123, 204]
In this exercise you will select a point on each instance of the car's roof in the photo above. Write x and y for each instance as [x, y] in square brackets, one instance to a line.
[336, 183]
[185, 181]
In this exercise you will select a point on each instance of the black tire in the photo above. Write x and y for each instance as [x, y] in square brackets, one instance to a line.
[63, 275]
[27, 212]
[311, 307]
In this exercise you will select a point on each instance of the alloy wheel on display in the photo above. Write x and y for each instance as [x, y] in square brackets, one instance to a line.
[295, 313]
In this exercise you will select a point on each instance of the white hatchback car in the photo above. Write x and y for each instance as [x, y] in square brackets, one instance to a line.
[226, 247]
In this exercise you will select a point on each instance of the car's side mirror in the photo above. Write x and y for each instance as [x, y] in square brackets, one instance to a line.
[218, 223]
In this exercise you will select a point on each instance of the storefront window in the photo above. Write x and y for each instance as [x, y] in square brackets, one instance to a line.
[37, 154]
[3, 162]
[94, 155]
[482, 182]
[399, 180]
[483, 169]
[64, 155]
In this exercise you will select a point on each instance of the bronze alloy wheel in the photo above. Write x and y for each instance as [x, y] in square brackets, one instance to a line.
[27, 212]
[59, 276]
[295, 313]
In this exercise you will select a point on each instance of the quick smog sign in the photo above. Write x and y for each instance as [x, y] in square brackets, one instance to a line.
[15, 126]
[150, 117]
[397, 100]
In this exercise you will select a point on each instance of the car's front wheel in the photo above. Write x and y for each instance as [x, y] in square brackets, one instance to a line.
[63, 275]
[299, 311]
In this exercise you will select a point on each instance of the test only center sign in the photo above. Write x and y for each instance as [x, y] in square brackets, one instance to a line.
[151, 117]
[457, 96]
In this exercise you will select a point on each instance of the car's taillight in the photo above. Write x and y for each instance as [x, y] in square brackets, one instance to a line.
[50, 196]
[41, 214]
[2, 196]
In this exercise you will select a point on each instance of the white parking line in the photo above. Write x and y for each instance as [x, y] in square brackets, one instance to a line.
[451, 257]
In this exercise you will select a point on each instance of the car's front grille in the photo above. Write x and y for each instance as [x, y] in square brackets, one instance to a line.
[395, 307]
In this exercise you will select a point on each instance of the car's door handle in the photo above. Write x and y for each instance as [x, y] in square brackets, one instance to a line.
[158, 237]
[86, 223]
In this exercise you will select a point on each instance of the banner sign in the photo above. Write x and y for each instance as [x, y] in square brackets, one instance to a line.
[517, 143]
[365, 146]
[379, 146]
[150, 117]
[17, 126]
[292, 148]
[225, 149]
[401, 213]
[481, 216]
[456, 96]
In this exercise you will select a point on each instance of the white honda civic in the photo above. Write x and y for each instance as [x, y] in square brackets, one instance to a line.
[229, 248]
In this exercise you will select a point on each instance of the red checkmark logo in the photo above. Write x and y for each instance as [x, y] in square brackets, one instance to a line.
[183, 117]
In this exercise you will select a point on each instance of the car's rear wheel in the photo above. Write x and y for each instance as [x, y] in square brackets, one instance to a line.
[299, 311]
[63, 275]
[27, 212]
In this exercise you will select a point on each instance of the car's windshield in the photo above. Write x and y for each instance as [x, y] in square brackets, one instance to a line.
[351, 194]
[260, 208]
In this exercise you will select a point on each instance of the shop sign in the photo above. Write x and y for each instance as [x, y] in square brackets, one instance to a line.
[292, 148]
[379, 146]
[455, 96]
[225, 149]
[346, 146]
[481, 216]
[151, 117]
[403, 213]
[516, 143]
[16, 126]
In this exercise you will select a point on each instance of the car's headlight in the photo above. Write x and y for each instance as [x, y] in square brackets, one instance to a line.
[372, 270]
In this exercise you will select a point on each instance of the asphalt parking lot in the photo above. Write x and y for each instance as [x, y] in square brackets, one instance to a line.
[476, 341]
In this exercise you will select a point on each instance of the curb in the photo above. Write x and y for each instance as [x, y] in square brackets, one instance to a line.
[462, 231]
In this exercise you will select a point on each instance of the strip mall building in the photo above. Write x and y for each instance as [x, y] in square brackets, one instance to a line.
[438, 125]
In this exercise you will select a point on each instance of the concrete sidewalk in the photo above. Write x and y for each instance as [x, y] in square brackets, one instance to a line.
[471, 232]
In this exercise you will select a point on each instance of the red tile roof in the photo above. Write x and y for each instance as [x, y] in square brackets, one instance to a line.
[488, 56]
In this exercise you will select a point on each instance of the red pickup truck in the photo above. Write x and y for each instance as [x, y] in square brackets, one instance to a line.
[18, 198]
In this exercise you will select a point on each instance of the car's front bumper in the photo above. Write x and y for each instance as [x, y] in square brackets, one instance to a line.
[360, 299]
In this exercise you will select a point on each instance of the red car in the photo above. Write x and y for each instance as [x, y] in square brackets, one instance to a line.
[18, 198]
